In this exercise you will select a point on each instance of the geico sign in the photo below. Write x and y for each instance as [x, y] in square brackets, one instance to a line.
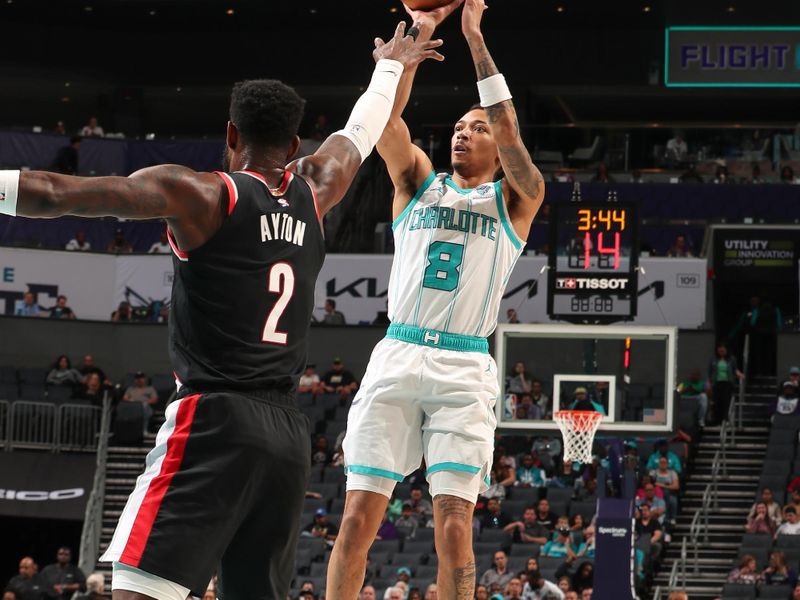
[41, 495]
[591, 283]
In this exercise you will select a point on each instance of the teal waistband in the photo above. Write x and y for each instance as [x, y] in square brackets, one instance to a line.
[437, 339]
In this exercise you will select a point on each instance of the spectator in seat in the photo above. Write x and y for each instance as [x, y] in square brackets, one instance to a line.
[530, 473]
[161, 246]
[142, 393]
[95, 588]
[541, 399]
[28, 584]
[495, 490]
[667, 479]
[62, 373]
[28, 307]
[755, 174]
[794, 377]
[571, 595]
[498, 573]
[528, 530]
[119, 245]
[495, 518]
[89, 367]
[561, 546]
[583, 577]
[79, 242]
[658, 506]
[519, 381]
[777, 572]
[511, 316]
[582, 401]
[339, 380]
[545, 516]
[746, 572]
[123, 313]
[677, 149]
[760, 522]
[721, 174]
[481, 592]
[602, 175]
[538, 587]
[786, 403]
[787, 174]
[586, 549]
[526, 409]
[367, 593]
[794, 501]
[790, 526]
[432, 592]
[773, 508]
[564, 584]
[320, 527]
[332, 316]
[92, 129]
[647, 525]
[694, 388]
[66, 161]
[61, 310]
[796, 592]
[320, 454]
[690, 175]
[92, 391]
[9, 594]
[421, 507]
[62, 577]
[680, 248]
[406, 523]
[513, 589]
[566, 478]
[662, 449]
[722, 373]
[309, 381]
[387, 530]
[414, 594]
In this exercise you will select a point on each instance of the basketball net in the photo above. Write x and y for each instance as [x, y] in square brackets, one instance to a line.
[578, 428]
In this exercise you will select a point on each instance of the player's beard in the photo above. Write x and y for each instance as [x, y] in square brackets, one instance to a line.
[226, 159]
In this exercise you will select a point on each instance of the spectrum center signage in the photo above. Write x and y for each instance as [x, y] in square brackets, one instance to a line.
[732, 57]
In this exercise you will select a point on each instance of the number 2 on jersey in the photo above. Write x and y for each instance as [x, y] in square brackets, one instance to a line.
[280, 281]
[444, 259]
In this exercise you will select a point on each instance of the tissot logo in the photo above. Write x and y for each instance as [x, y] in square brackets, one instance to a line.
[41, 495]
[591, 283]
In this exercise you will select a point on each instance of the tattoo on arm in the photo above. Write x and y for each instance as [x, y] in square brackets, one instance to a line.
[514, 157]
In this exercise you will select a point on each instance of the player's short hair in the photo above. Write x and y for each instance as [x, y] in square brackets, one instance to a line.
[266, 112]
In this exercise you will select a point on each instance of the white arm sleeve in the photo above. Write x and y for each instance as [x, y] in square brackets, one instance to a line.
[373, 108]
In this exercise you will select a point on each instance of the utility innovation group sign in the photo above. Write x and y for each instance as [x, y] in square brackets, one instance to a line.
[732, 57]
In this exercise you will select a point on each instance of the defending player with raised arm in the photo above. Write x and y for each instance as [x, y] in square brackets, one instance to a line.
[248, 247]
[431, 384]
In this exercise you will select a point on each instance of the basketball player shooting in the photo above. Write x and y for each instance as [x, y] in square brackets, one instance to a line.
[431, 385]
[224, 486]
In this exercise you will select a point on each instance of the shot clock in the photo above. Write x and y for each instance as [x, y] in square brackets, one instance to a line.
[593, 262]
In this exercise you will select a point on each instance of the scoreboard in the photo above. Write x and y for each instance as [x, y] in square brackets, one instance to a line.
[594, 257]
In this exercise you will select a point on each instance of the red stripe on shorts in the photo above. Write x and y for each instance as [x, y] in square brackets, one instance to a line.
[176, 445]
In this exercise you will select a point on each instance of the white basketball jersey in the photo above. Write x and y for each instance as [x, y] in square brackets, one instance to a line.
[454, 252]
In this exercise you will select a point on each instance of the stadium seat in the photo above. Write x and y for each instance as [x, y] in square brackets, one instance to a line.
[774, 482]
[514, 508]
[418, 546]
[485, 547]
[391, 547]
[402, 490]
[32, 375]
[313, 504]
[337, 505]
[8, 374]
[425, 534]
[757, 540]
[328, 490]
[316, 473]
[775, 592]
[304, 400]
[31, 391]
[319, 569]
[559, 509]
[738, 591]
[525, 550]
[425, 572]
[787, 541]
[586, 509]
[529, 495]
[559, 495]
[759, 553]
[314, 545]
[497, 536]
[58, 394]
[9, 391]
[334, 475]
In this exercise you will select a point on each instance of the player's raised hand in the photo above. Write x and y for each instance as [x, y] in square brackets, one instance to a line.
[433, 18]
[471, 17]
[405, 49]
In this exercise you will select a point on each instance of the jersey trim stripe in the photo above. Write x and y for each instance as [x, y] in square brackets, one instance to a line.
[501, 208]
[157, 489]
[233, 191]
[182, 256]
[276, 192]
[452, 466]
[363, 470]
[490, 288]
[425, 257]
[422, 189]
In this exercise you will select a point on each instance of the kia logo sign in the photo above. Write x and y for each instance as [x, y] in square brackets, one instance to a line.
[41, 495]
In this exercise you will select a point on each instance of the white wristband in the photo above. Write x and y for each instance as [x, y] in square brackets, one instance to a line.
[493, 90]
[9, 188]
[372, 110]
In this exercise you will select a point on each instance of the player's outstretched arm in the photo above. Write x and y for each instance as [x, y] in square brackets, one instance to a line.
[524, 179]
[331, 169]
[190, 201]
[407, 164]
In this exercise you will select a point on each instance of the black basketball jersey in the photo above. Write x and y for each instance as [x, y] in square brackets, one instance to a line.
[242, 302]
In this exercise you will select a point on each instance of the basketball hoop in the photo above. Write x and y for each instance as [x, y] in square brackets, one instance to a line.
[578, 428]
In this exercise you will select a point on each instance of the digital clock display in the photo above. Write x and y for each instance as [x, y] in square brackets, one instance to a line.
[593, 260]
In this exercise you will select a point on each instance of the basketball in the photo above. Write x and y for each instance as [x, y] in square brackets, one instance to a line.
[426, 4]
